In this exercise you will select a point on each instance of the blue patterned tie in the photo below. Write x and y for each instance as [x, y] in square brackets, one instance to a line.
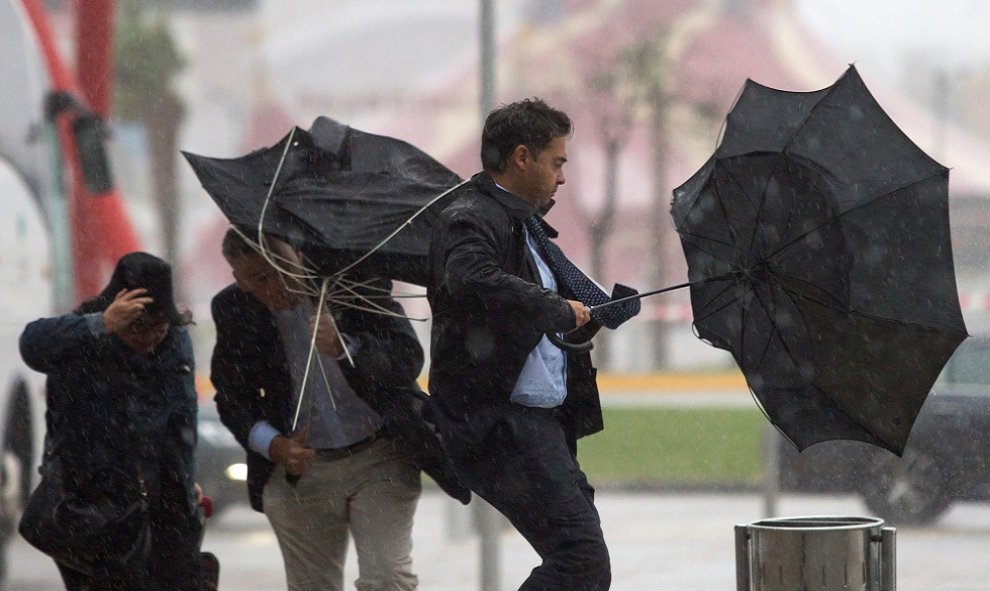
[583, 288]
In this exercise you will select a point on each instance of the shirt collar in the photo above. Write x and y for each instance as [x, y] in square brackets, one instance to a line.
[515, 205]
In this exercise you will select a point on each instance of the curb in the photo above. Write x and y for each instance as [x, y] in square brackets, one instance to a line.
[672, 382]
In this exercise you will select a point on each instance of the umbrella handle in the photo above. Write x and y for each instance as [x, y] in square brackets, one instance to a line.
[569, 347]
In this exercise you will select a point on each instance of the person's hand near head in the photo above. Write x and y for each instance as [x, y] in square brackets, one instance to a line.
[127, 306]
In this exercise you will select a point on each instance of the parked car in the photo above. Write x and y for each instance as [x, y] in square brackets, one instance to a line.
[221, 467]
[947, 457]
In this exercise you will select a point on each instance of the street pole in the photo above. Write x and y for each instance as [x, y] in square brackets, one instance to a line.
[771, 470]
[486, 518]
[487, 47]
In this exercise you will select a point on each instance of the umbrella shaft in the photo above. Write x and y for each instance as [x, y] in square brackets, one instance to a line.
[638, 295]
[656, 291]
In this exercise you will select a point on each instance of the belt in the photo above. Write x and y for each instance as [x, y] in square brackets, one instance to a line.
[548, 413]
[338, 453]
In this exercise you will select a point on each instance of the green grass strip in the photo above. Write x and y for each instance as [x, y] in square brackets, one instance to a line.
[675, 446]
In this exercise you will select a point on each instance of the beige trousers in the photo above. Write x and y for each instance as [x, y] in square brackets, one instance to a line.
[372, 496]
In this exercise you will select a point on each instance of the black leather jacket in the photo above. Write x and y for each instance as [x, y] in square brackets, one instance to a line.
[489, 312]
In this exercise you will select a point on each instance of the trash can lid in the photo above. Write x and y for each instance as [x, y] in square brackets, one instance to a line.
[818, 522]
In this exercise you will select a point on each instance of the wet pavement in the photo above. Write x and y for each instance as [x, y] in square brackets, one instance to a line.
[674, 541]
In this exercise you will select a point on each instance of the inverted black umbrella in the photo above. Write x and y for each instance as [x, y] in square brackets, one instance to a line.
[818, 250]
[361, 207]
[378, 223]
[354, 202]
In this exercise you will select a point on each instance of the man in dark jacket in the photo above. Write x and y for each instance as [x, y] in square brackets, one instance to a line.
[511, 404]
[341, 472]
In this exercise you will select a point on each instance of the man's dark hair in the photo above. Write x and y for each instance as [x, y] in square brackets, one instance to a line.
[530, 122]
[234, 246]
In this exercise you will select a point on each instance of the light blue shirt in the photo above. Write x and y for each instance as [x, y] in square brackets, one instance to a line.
[336, 416]
[543, 380]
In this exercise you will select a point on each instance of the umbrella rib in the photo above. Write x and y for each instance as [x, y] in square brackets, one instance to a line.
[334, 297]
[408, 296]
[326, 380]
[758, 208]
[368, 284]
[309, 359]
[266, 253]
[811, 111]
[371, 306]
[702, 237]
[773, 325]
[338, 276]
[401, 226]
[798, 279]
[271, 189]
[834, 219]
[736, 243]
[792, 296]
[338, 305]
[781, 154]
[759, 211]
[271, 258]
[847, 310]
[350, 289]
[382, 293]
[720, 308]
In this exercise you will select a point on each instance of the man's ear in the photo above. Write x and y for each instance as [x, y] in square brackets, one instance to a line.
[520, 157]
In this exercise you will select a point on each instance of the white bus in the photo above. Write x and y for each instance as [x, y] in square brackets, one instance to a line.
[30, 185]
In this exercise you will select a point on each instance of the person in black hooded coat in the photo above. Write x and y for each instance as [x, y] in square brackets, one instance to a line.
[121, 400]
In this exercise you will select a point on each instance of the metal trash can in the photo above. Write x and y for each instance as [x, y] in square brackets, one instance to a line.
[816, 554]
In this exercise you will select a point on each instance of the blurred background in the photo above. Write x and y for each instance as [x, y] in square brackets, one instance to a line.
[648, 84]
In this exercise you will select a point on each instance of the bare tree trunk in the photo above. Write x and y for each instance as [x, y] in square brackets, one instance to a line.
[601, 230]
[661, 223]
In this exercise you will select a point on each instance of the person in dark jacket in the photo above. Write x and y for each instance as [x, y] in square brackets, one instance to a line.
[511, 404]
[121, 399]
[340, 471]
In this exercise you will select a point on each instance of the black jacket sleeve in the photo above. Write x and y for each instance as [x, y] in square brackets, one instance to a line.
[238, 395]
[49, 343]
[472, 273]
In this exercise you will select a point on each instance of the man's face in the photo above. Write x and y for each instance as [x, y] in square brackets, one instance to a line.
[255, 276]
[544, 173]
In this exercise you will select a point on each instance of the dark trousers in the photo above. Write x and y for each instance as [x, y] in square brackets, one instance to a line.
[529, 472]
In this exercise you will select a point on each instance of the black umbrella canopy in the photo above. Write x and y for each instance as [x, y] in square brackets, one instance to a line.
[241, 186]
[345, 196]
[818, 247]
[377, 222]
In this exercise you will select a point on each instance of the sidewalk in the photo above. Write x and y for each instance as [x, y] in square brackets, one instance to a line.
[679, 542]
[658, 542]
